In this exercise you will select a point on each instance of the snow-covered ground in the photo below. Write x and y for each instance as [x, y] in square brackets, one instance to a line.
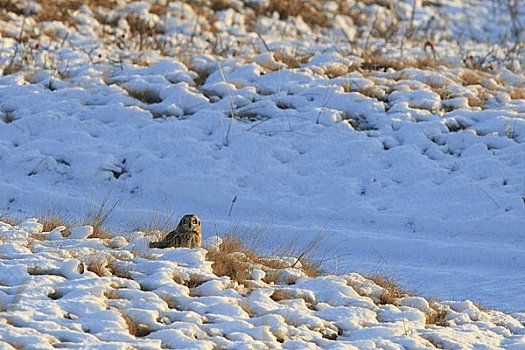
[110, 294]
[415, 171]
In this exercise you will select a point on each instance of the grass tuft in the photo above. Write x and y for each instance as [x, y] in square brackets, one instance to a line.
[100, 265]
[517, 93]
[98, 218]
[138, 330]
[234, 259]
[391, 292]
[307, 10]
[280, 295]
[231, 258]
[50, 221]
[436, 317]
[9, 220]
[375, 61]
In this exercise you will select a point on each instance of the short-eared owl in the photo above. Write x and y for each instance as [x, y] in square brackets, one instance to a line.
[188, 234]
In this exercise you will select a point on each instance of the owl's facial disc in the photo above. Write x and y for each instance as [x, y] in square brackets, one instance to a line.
[192, 221]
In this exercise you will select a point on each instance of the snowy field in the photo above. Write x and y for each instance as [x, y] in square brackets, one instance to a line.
[95, 293]
[396, 129]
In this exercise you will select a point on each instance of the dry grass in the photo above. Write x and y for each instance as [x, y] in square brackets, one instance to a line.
[120, 272]
[307, 10]
[142, 29]
[480, 99]
[40, 271]
[232, 258]
[98, 218]
[158, 224]
[391, 291]
[13, 6]
[61, 10]
[57, 10]
[375, 61]
[337, 69]
[307, 256]
[245, 305]
[373, 92]
[219, 5]
[290, 61]
[436, 316]
[194, 281]
[517, 93]
[471, 77]
[277, 276]
[359, 290]
[280, 295]
[235, 260]
[112, 265]
[207, 14]
[138, 330]
[9, 220]
[112, 293]
[52, 220]
[146, 96]
[159, 9]
[443, 91]
[99, 265]
[480, 306]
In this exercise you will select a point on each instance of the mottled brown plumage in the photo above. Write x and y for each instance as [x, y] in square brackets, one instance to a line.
[188, 234]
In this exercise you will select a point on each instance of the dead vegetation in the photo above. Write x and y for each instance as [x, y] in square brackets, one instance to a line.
[62, 10]
[12, 6]
[157, 224]
[436, 316]
[119, 271]
[97, 217]
[112, 294]
[193, 281]
[291, 61]
[51, 220]
[234, 259]
[280, 294]
[391, 292]
[309, 11]
[517, 93]
[145, 96]
[479, 99]
[9, 220]
[100, 265]
[377, 61]
[136, 329]
[472, 77]
[245, 306]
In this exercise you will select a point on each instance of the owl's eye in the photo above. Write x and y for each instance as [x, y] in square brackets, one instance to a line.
[195, 221]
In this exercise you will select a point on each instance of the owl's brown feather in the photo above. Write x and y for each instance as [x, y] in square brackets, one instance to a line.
[188, 234]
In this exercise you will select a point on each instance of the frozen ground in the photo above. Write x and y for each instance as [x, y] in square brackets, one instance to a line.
[91, 293]
[415, 171]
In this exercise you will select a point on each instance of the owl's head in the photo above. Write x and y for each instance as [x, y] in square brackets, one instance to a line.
[191, 221]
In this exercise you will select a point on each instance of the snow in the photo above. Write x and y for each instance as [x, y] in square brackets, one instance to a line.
[416, 173]
[75, 307]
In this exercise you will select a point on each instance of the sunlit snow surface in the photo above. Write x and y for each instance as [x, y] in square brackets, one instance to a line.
[404, 179]
[51, 297]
